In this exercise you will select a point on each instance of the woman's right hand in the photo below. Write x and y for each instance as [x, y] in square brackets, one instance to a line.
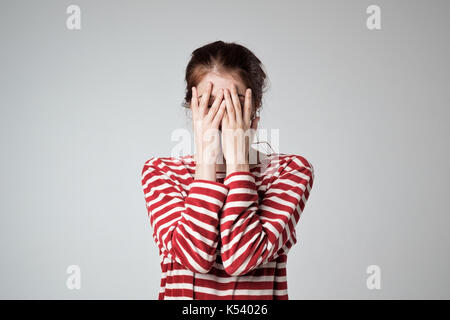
[206, 123]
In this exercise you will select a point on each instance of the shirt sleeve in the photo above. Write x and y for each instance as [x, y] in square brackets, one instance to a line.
[184, 227]
[253, 232]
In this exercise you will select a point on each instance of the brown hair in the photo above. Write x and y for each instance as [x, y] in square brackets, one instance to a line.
[226, 57]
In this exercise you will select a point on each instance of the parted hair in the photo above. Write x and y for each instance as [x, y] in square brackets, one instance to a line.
[226, 57]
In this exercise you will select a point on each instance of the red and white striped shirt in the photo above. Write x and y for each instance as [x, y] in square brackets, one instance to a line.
[229, 238]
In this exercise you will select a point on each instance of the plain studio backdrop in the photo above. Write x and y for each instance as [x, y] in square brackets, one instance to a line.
[82, 110]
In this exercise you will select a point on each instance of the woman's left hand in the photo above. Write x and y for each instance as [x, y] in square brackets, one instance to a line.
[237, 130]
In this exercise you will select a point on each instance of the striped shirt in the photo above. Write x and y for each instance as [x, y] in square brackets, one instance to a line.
[229, 238]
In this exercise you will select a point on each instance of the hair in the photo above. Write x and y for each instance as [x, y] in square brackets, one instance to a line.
[226, 57]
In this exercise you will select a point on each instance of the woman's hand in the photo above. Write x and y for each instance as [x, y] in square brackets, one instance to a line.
[206, 132]
[237, 130]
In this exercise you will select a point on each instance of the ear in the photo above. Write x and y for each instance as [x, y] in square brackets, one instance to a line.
[255, 122]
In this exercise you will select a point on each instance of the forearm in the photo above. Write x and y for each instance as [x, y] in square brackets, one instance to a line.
[185, 228]
[205, 172]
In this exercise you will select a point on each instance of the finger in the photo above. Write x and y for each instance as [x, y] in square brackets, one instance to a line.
[224, 117]
[215, 107]
[194, 102]
[236, 104]
[248, 105]
[230, 108]
[219, 115]
[205, 100]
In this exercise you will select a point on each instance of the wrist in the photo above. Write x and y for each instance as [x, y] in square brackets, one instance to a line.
[237, 167]
[205, 172]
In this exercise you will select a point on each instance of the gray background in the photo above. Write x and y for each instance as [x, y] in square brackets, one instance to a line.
[81, 111]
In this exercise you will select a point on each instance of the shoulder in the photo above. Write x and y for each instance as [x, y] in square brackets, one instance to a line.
[296, 161]
[289, 161]
[164, 164]
[281, 163]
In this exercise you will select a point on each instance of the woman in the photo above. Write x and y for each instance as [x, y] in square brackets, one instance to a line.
[224, 229]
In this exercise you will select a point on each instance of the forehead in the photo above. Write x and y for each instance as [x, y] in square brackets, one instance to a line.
[220, 81]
